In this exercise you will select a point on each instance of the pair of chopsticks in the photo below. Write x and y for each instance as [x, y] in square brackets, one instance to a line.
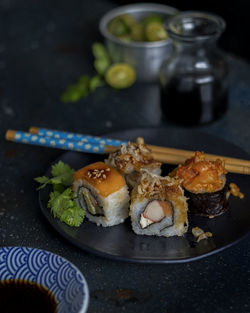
[93, 144]
[64, 140]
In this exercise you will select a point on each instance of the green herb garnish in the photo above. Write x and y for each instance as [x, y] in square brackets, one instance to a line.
[64, 207]
[87, 84]
[62, 175]
[61, 199]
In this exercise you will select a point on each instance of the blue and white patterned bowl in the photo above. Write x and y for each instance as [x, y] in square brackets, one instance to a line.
[50, 270]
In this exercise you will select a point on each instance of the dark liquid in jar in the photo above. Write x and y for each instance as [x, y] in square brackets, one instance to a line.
[190, 100]
[20, 296]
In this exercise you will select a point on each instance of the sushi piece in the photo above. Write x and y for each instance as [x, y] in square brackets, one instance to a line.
[103, 194]
[158, 207]
[130, 159]
[205, 185]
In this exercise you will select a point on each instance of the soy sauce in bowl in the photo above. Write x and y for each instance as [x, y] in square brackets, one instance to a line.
[25, 296]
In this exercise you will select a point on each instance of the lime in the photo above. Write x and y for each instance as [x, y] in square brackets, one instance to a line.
[120, 75]
[155, 31]
[126, 38]
[137, 32]
[118, 27]
[153, 19]
[128, 20]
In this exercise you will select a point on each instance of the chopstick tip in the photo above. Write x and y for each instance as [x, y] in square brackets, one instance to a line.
[10, 135]
[33, 130]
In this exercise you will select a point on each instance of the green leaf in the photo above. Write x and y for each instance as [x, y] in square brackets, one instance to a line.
[95, 82]
[62, 174]
[59, 187]
[73, 216]
[84, 80]
[71, 94]
[65, 208]
[77, 91]
[99, 51]
[101, 66]
[52, 196]
[43, 180]
[61, 200]
[60, 168]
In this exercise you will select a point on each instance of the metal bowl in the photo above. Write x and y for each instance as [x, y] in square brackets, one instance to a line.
[145, 57]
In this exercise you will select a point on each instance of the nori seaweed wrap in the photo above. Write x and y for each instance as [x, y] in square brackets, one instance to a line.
[208, 203]
[204, 183]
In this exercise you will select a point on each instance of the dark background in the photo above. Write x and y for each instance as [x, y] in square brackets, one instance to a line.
[45, 46]
[236, 14]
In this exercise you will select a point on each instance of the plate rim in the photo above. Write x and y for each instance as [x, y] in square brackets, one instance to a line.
[134, 259]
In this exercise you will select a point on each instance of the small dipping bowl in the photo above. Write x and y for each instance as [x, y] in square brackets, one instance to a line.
[49, 270]
[145, 57]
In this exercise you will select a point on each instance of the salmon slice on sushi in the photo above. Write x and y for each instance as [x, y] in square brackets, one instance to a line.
[158, 207]
[103, 194]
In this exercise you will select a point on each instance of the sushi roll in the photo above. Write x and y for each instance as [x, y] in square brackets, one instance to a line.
[103, 194]
[130, 159]
[158, 207]
[205, 185]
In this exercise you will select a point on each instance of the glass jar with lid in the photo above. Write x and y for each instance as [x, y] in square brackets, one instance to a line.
[194, 87]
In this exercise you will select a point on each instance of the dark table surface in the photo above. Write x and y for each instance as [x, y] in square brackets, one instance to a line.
[44, 46]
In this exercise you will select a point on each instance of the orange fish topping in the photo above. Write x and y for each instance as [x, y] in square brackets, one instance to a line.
[201, 175]
[101, 176]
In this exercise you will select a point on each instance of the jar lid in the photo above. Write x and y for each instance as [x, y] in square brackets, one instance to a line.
[194, 26]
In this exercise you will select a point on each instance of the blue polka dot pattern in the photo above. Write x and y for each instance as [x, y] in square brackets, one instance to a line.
[53, 142]
[79, 137]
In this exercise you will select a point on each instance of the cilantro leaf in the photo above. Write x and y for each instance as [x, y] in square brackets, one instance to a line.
[61, 199]
[58, 187]
[62, 175]
[60, 168]
[43, 180]
[73, 216]
[65, 208]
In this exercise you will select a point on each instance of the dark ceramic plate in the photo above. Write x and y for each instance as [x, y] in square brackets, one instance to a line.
[119, 242]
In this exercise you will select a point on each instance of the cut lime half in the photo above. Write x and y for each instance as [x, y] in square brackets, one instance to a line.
[120, 75]
[155, 31]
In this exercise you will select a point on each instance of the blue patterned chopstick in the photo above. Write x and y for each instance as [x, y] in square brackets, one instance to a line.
[28, 138]
[45, 132]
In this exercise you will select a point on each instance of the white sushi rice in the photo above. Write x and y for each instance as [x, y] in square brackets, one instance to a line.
[177, 229]
[177, 225]
[114, 206]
